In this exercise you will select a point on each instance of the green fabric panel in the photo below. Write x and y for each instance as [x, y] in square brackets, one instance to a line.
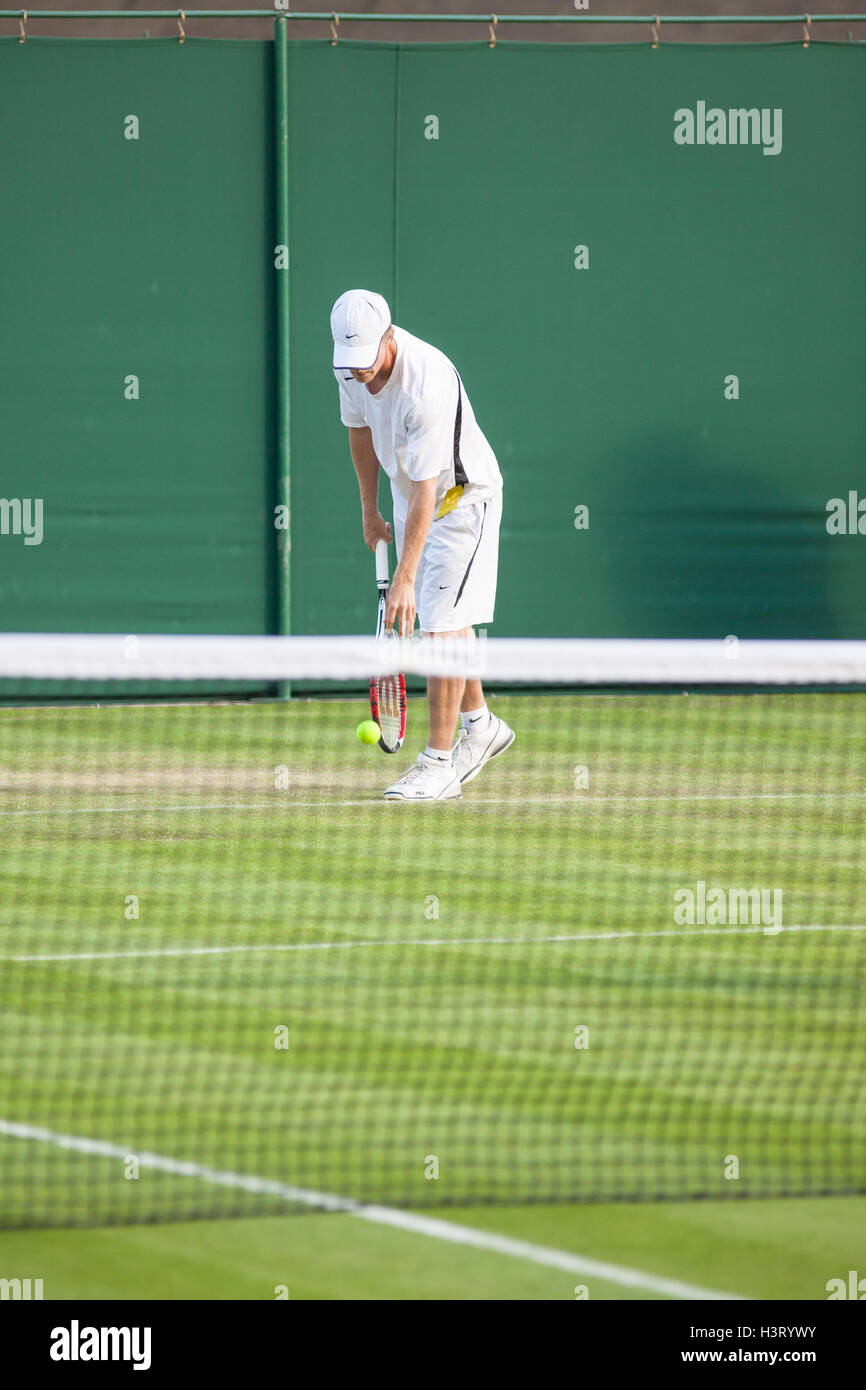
[151, 257]
[604, 387]
[601, 387]
[341, 213]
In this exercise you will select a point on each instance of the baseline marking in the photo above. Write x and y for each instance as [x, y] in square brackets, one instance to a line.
[429, 1226]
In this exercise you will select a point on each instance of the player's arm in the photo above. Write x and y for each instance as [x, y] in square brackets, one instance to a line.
[401, 595]
[376, 528]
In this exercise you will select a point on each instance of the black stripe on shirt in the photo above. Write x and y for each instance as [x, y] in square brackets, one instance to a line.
[459, 471]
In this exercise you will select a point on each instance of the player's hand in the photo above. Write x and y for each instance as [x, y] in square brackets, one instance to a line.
[400, 608]
[376, 528]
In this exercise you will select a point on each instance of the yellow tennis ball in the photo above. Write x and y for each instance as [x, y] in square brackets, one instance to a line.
[368, 731]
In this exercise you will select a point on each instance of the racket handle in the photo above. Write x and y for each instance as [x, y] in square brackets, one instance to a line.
[382, 575]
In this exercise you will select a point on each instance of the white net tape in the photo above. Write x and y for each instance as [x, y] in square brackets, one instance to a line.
[532, 661]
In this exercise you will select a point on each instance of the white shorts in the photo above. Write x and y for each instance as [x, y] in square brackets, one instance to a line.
[455, 586]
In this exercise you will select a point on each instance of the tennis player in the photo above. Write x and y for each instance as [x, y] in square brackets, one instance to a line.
[407, 412]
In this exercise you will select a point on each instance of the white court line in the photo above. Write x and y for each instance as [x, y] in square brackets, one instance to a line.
[315, 803]
[381, 1216]
[427, 941]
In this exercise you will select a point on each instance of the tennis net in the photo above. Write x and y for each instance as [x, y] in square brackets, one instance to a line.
[628, 964]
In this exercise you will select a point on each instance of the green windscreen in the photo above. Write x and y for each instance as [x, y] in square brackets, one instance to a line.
[696, 386]
[136, 343]
[663, 341]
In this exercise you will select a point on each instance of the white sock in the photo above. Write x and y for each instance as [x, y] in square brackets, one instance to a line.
[475, 720]
[440, 755]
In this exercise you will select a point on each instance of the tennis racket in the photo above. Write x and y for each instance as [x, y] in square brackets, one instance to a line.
[387, 693]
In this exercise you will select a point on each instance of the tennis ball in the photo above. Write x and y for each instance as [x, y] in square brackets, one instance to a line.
[368, 731]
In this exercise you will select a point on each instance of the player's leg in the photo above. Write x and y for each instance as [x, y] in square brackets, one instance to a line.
[473, 697]
[445, 698]
[483, 735]
[444, 701]
[455, 590]
[433, 778]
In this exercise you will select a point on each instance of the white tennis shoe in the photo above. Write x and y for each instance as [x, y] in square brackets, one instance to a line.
[472, 751]
[429, 779]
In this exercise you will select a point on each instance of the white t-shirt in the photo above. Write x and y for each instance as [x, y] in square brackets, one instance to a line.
[423, 427]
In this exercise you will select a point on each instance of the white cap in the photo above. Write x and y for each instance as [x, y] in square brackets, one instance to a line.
[359, 320]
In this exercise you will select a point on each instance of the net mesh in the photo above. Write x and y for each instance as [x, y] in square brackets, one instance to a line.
[627, 964]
